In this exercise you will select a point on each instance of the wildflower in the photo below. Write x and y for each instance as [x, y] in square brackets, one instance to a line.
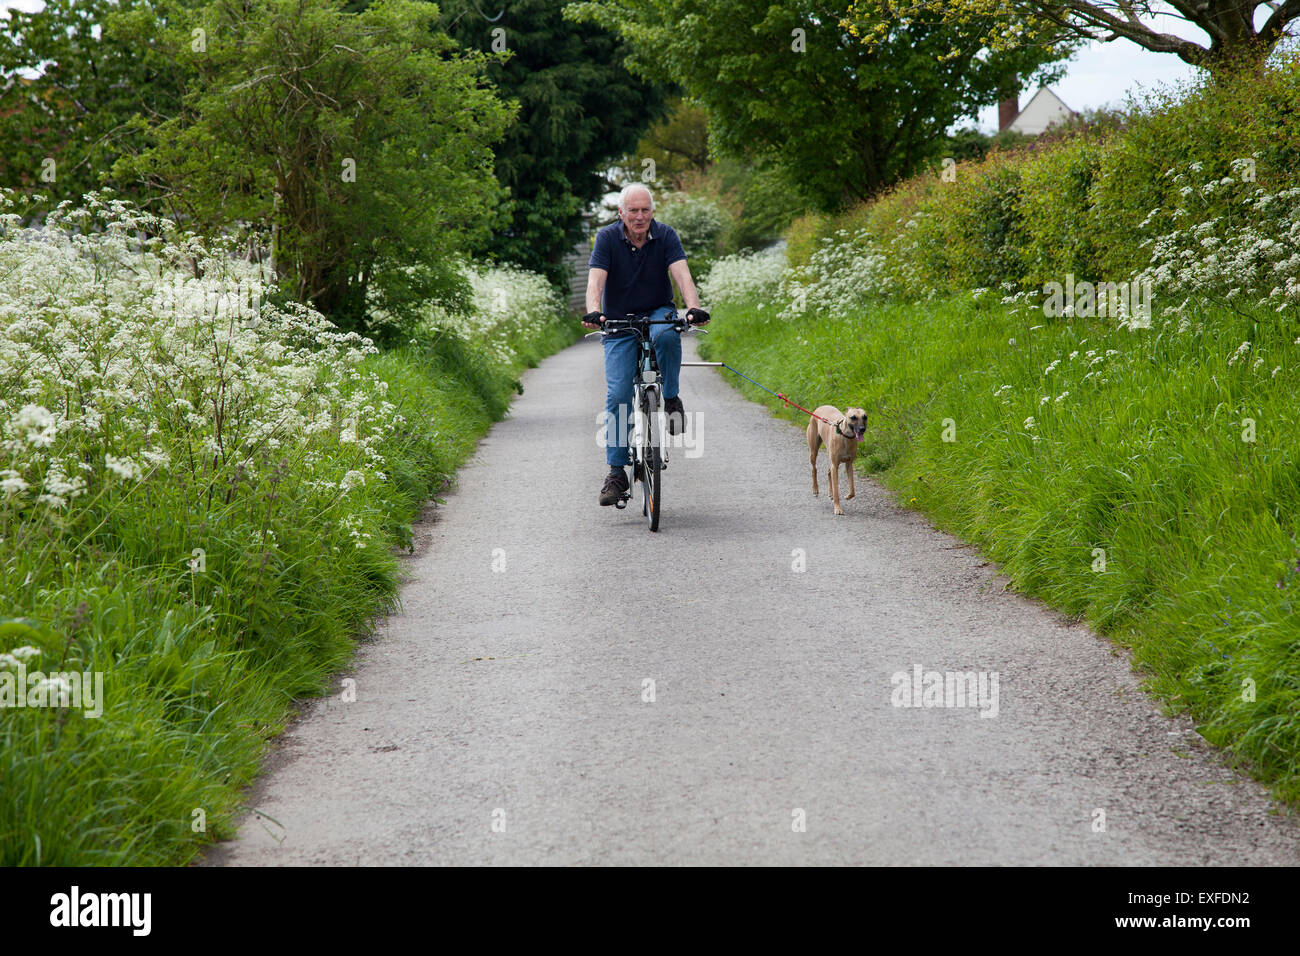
[58, 485]
[11, 483]
[123, 467]
[38, 425]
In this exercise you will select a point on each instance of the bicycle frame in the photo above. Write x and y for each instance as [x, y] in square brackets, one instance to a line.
[649, 458]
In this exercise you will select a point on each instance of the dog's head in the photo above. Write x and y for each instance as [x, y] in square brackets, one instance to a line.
[855, 423]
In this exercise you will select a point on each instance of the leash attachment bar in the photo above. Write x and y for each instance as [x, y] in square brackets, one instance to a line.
[835, 425]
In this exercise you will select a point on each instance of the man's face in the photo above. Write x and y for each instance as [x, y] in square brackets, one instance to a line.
[636, 216]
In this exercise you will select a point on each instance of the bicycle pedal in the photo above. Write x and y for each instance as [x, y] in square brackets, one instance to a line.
[622, 503]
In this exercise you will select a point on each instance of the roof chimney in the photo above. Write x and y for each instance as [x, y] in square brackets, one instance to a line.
[1009, 106]
[1008, 110]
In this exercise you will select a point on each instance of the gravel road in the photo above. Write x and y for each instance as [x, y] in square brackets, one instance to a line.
[564, 687]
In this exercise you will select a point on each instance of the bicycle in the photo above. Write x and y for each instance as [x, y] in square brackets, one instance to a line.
[648, 447]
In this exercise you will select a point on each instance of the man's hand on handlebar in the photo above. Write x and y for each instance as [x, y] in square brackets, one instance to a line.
[593, 320]
[697, 317]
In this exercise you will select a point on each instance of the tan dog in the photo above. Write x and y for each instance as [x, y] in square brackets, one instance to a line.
[841, 437]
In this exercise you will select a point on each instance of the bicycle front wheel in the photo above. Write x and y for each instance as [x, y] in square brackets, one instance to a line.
[652, 463]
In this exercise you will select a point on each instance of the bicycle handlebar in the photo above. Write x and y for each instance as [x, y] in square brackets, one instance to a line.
[636, 322]
[631, 323]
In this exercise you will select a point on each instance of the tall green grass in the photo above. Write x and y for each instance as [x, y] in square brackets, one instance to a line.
[1155, 493]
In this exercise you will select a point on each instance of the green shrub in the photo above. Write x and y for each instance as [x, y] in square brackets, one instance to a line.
[803, 238]
[980, 217]
[1248, 116]
[1056, 212]
[699, 220]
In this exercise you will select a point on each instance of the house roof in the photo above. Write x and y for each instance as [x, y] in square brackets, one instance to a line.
[1044, 109]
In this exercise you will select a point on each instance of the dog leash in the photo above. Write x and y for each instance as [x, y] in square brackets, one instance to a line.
[779, 395]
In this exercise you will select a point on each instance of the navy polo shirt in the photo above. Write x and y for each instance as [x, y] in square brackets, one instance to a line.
[638, 278]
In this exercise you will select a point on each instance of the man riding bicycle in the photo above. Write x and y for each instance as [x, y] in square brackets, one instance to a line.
[629, 272]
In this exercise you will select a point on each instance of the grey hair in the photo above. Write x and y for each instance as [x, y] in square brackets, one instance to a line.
[631, 188]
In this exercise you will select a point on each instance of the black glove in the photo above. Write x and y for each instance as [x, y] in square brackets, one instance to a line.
[594, 318]
[697, 316]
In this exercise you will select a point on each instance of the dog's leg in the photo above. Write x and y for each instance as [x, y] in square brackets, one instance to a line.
[852, 491]
[835, 486]
[814, 445]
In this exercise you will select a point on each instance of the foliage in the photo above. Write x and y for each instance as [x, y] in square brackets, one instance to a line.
[1001, 24]
[508, 308]
[360, 140]
[1244, 126]
[744, 277]
[764, 201]
[1247, 256]
[1097, 201]
[78, 71]
[578, 106]
[700, 222]
[784, 80]
[675, 146]
[1056, 210]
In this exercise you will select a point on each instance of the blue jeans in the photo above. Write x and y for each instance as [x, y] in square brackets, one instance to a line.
[620, 367]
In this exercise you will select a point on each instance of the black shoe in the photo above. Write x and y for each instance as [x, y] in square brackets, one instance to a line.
[615, 487]
[676, 415]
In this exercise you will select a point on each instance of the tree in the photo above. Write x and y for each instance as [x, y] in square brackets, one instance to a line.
[579, 109]
[73, 83]
[676, 145]
[1230, 24]
[784, 80]
[362, 141]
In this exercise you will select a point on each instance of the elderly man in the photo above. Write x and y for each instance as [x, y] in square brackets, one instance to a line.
[629, 271]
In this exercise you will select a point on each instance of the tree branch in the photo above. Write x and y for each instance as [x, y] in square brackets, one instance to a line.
[1275, 25]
